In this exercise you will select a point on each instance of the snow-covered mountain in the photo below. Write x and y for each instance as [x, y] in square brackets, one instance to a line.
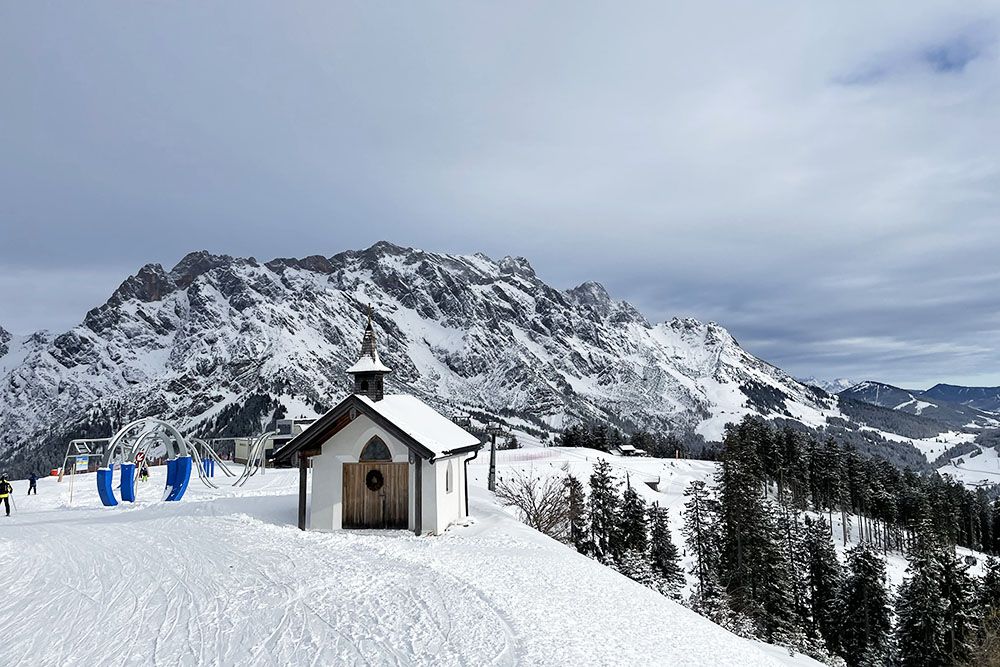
[834, 386]
[921, 403]
[223, 344]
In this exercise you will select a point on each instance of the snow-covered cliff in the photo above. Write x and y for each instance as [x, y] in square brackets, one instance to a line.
[222, 344]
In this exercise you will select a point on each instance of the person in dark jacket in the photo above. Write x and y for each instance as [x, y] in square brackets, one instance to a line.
[5, 490]
[33, 484]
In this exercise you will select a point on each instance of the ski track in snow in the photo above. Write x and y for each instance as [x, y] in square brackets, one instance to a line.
[224, 578]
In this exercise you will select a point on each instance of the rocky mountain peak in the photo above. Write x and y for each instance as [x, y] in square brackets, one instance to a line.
[517, 266]
[197, 263]
[592, 295]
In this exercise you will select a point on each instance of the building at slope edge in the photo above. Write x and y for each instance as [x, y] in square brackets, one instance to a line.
[381, 461]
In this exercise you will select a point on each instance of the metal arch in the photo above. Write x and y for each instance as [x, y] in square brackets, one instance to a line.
[255, 457]
[211, 453]
[125, 445]
[117, 440]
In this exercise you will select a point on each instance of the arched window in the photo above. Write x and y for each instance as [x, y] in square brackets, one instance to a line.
[375, 450]
[448, 479]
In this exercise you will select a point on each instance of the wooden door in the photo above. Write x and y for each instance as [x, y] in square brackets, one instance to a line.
[375, 495]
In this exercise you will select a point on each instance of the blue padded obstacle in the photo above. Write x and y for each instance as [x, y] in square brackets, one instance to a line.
[171, 472]
[104, 487]
[178, 476]
[208, 465]
[128, 482]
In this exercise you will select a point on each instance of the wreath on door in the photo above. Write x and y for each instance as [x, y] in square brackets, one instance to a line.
[374, 480]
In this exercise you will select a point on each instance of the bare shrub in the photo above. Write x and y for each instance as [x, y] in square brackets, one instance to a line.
[541, 503]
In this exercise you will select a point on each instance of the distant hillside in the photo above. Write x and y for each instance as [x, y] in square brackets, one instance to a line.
[921, 404]
[981, 398]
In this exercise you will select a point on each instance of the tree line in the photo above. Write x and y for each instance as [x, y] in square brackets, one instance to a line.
[765, 564]
[761, 542]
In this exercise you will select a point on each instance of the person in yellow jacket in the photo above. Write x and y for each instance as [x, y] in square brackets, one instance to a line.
[5, 490]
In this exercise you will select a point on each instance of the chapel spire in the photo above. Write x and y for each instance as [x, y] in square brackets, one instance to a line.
[368, 370]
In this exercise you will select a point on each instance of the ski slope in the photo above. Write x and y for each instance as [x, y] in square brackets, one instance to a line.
[223, 577]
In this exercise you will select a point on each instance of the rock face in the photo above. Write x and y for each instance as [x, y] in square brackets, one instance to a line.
[223, 345]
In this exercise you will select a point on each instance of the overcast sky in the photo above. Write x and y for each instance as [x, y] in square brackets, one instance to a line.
[821, 178]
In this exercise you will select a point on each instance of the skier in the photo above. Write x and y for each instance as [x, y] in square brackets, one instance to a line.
[33, 484]
[144, 473]
[5, 490]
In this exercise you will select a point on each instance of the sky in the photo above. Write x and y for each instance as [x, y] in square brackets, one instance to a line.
[820, 178]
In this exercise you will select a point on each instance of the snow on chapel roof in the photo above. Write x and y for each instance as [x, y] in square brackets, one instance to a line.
[422, 423]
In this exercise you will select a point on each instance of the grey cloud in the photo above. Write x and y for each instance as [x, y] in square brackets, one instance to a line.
[699, 159]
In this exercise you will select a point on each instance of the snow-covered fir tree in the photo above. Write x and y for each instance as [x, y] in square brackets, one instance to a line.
[603, 506]
[753, 567]
[937, 608]
[863, 623]
[631, 530]
[989, 587]
[663, 555]
[824, 576]
[921, 608]
[635, 565]
[579, 532]
[701, 523]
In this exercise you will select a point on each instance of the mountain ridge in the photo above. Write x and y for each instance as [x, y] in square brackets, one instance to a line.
[223, 345]
[922, 403]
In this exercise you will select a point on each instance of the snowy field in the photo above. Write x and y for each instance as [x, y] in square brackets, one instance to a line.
[975, 469]
[224, 578]
[933, 447]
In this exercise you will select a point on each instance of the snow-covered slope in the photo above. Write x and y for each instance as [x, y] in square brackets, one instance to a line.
[223, 577]
[223, 344]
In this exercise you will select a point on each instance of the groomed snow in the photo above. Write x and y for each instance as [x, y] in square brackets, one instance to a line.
[223, 577]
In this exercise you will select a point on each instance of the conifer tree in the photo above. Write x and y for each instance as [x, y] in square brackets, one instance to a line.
[635, 565]
[663, 555]
[863, 609]
[961, 612]
[824, 577]
[579, 532]
[701, 521]
[603, 505]
[753, 566]
[920, 608]
[994, 546]
[989, 588]
[631, 531]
